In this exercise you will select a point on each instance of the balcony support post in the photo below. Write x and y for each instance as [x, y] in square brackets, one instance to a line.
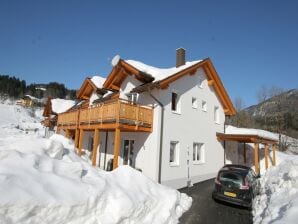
[116, 148]
[81, 142]
[67, 133]
[77, 135]
[95, 145]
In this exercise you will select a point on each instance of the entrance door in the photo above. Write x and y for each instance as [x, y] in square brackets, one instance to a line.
[128, 153]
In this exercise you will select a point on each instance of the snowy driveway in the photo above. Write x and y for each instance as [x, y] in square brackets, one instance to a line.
[204, 210]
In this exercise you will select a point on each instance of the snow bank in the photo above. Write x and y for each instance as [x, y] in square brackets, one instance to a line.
[44, 181]
[278, 201]
[98, 81]
[61, 105]
[159, 73]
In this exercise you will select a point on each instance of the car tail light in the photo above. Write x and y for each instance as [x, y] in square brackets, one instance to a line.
[246, 185]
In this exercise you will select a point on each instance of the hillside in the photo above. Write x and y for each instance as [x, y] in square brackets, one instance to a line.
[284, 103]
[12, 87]
[278, 114]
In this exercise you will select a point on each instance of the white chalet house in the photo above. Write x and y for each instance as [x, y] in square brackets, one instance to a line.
[161, 121]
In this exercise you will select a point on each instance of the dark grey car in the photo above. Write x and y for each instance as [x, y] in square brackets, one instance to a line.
[236, 184]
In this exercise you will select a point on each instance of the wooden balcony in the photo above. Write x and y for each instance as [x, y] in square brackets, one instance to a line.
[109, 115]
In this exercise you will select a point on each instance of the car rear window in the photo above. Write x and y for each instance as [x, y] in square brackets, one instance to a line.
[228, 177]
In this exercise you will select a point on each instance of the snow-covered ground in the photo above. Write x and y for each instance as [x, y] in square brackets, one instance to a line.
[278, 201]
[44, 181]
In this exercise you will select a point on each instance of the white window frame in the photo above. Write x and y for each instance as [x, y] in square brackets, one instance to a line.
[198, 147]
[204, 105]
[176, 153]
[132, 97]
[200, 81]
[178, 103]
[216, 115]
[194, 102]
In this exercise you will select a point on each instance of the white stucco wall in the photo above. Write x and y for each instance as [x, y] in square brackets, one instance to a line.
[189, 126]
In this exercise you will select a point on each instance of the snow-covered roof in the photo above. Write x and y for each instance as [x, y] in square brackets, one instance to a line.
[61, 105]
[159, 73]
[31, 97]
[250, 131]
[98, 81]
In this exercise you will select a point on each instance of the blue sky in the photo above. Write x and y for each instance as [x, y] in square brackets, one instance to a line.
[251, 43]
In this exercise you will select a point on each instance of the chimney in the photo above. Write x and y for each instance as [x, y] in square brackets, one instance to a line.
[180, 57]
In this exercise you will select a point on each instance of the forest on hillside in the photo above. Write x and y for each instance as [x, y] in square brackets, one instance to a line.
[276, 111]
[12, 87]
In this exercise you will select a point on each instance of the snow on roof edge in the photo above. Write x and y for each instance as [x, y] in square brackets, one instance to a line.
[98, 81]
[250, 131]
[160, 73]
[61, 105]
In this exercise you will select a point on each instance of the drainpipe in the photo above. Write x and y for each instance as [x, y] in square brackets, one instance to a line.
[161, 134]
[225, 140]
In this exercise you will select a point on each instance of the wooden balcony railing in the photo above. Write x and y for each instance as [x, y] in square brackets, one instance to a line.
[116, 112]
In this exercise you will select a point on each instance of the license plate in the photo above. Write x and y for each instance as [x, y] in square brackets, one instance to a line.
[230, 194]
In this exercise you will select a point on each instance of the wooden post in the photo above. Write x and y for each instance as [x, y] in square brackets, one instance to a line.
[81, 142]
[95, 144]
[244, 152]
[77, 134]
[116, 147]
[274, 158]
[256, 152]
[67, 133]
[266, 156]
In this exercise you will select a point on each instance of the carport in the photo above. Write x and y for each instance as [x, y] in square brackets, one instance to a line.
[256, 140]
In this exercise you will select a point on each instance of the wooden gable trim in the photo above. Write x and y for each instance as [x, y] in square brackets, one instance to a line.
[219, 88]
[213, 79]
[120, 72]
[165, 82]
[87, 83]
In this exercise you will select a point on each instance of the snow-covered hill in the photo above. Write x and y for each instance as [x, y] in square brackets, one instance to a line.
[44, 181]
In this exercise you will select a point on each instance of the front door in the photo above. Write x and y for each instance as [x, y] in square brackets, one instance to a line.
[128, 158]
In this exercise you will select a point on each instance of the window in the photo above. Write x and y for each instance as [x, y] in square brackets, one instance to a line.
[174, 153]
[175, 102]
[90, 144]
[198, 153]
[200, 81]
[128, 158]
[204, 106]
[216, 114]
[194, 102]
[132, 97]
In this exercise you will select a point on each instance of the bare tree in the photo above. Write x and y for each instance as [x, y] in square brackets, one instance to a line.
[239, 104]
[242, 118]
[262, 94]
[274, 91]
